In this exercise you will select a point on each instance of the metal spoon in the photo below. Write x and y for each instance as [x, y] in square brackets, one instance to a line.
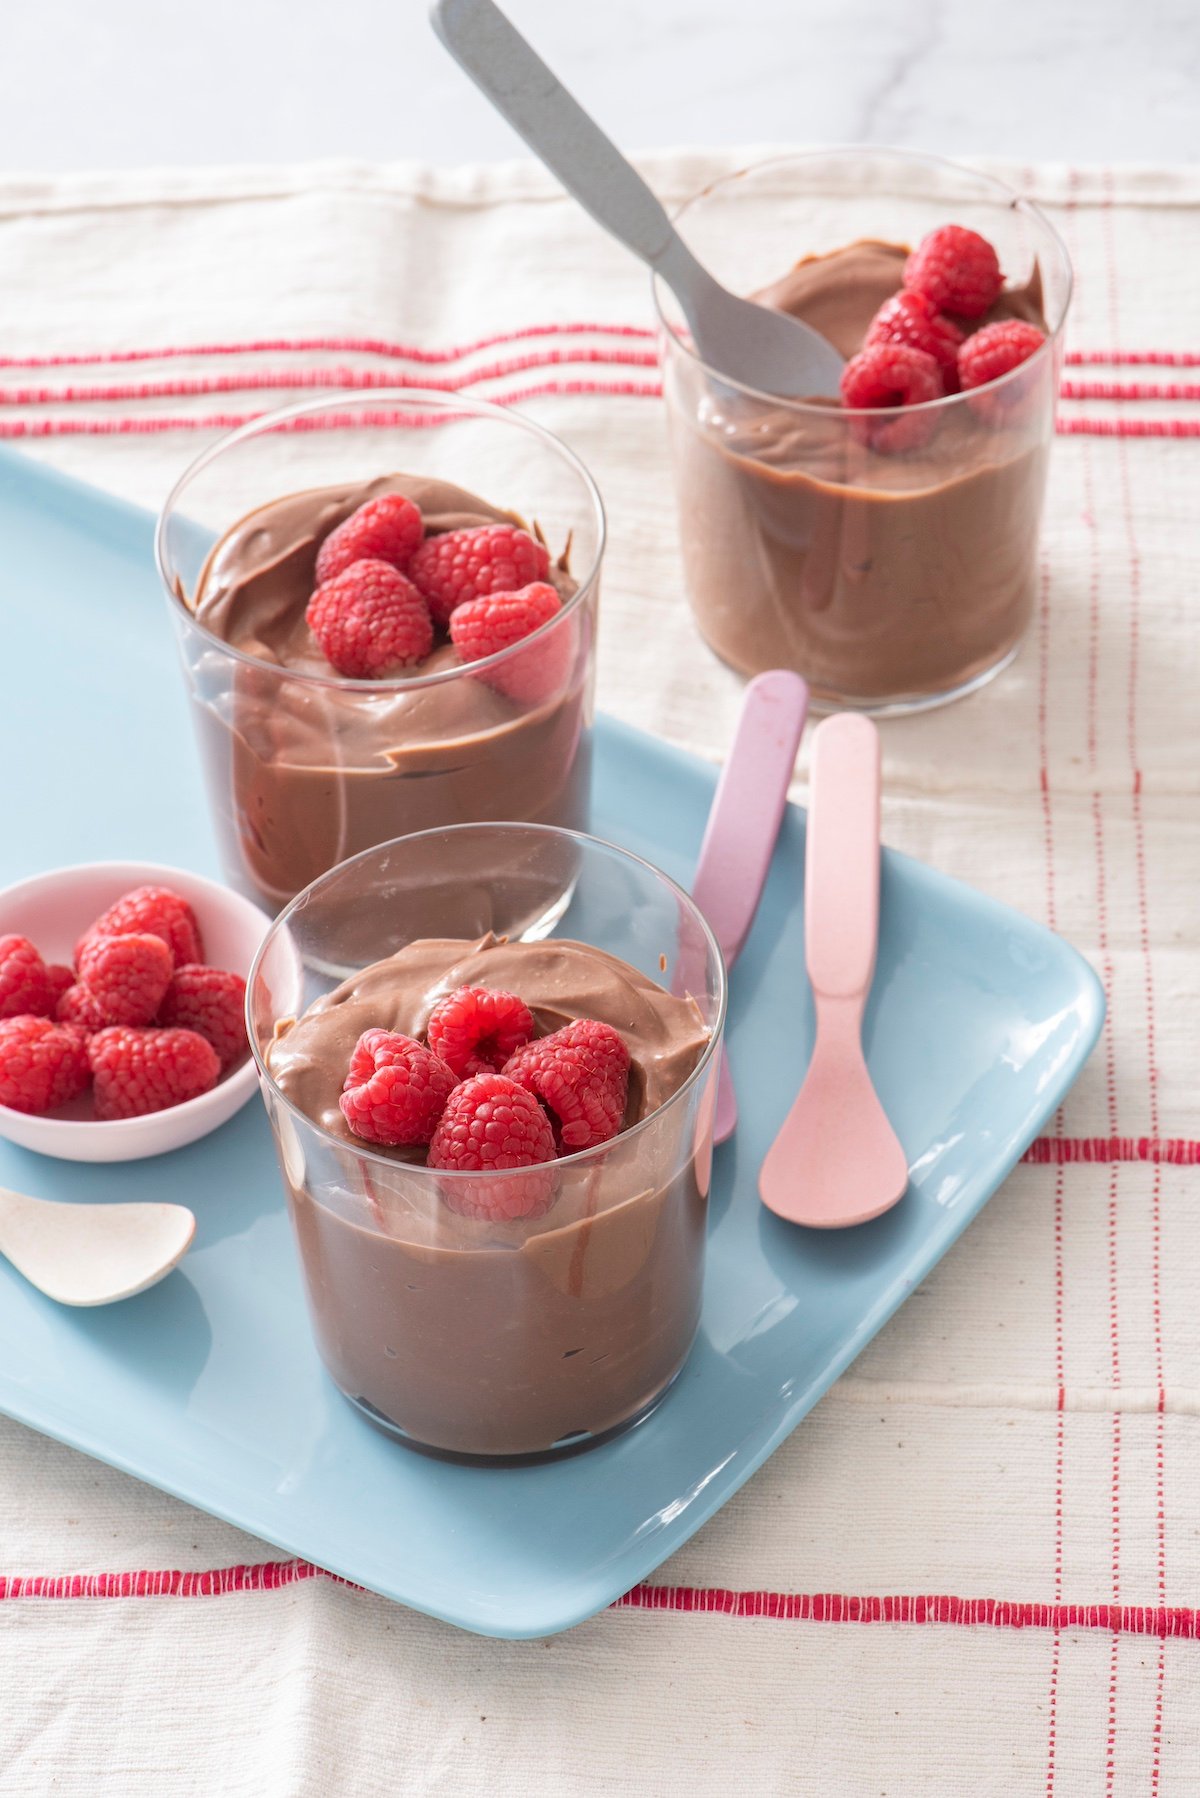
[751, 344]
[92, 1254]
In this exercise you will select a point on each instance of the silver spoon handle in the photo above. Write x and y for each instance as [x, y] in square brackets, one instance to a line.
[554, 125]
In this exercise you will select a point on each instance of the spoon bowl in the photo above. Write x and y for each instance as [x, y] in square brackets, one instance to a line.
[92, 1254]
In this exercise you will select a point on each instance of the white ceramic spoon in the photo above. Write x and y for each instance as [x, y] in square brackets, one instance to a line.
[92, 1254]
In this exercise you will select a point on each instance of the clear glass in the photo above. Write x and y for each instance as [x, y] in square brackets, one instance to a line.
[470, 1338]
[302, 770]
[890, 581]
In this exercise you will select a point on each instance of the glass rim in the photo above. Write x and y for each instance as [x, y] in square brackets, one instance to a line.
[1013, 200]
[418, 1169]
[434, 399]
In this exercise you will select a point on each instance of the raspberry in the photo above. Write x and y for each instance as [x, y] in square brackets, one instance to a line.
[491, 1123]
[483, 626]
[957, 271]
[396, 1089]
[370, 620]
[997, 350]
[137, 1071]
[892, 375]
[59, 980]
[79, 1006]
[158, 910]
[581, 1073]
[909, 318]
[456, 566]
[211, 1002]
[387, 529]
[42, 1064]
[24, 988]
[476, 1028]
[126, 975]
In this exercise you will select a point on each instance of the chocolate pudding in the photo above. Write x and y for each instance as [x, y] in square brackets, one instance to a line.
[489, 1338]
[308, 769]
[880, 578]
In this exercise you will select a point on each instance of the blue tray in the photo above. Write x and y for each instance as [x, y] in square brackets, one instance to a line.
[209, 1386]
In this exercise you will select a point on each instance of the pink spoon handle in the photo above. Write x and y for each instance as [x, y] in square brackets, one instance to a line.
[837, 1159]
[841, 869]
[739, 840]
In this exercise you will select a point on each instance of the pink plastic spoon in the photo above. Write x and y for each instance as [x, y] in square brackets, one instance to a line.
[837, 1160]
[739, 839]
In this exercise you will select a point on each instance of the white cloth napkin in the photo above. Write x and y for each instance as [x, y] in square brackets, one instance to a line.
[913, 1596]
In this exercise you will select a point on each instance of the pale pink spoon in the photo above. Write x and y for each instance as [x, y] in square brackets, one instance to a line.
[743, 824]
[837, 1160]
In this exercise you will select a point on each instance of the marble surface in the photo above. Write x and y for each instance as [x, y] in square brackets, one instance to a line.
[1071, 80]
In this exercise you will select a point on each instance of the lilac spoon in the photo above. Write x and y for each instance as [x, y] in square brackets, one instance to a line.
[739, 838]
[837, 1160]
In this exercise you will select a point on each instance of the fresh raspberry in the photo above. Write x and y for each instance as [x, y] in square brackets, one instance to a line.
[137, 1071]
[42, 1064]
[483, 626]
[127, 975]
[211, 1002]
[892, 375]
[24, 988]
[997, 350]
[957, 271]
[59, 980]
[490, 1123]
[396, 1089]
[80, 1006]
[370, 620]
[910, 319]
[158, 910]
[387, 529]
[476, 1028]
[581, 1073]
[456, 566]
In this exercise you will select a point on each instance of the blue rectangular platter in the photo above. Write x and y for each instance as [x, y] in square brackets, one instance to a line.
[209, 1386]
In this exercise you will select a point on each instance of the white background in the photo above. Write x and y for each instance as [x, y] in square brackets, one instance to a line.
[92, 84]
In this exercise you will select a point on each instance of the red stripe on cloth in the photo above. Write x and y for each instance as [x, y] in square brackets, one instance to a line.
[302, 379]
[1177, 1151]
[1133, 358]
[1143, 906]
[340, 346]
[366, 379]
[214, 1582]
[1129, 390]
[1128, 427]
[154, 424]
[939, 1608]
[426, 355]
[1060, 1376]
[1110, 1071]
[1167, 1621]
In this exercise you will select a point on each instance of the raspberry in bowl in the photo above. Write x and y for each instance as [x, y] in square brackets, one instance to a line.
[492, 1106]
[122, 1009]
[386, 611]
[886, 548]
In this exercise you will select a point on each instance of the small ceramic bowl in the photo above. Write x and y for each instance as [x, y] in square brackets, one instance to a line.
[53, 910]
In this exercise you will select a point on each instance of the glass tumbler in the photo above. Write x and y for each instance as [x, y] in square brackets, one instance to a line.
[306, 768]
[892, 572]
[455, 1334]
